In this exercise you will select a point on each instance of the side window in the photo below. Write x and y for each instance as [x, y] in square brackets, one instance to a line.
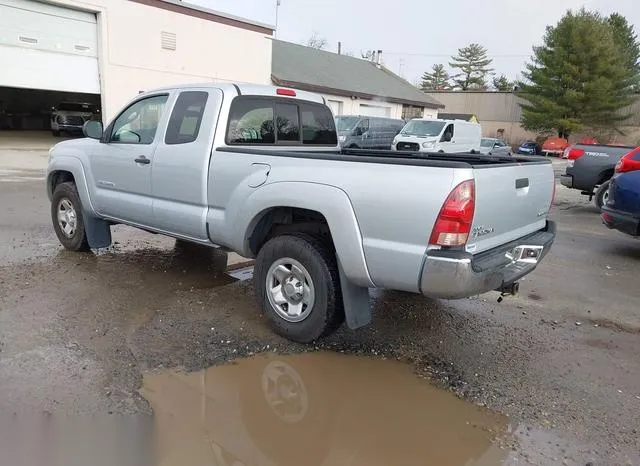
[448, 133]
[251, 122]
[318, 125]
[362, 127]
[287, 122]
[138, 124]
[185, 120]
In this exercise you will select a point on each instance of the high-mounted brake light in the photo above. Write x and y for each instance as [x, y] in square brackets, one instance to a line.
[288, 92]
[629, 162]
[454, 221]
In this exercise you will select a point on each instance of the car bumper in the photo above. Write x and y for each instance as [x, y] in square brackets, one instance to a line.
[70, 128]
[621, 221]
[453, 274]
[566, 180]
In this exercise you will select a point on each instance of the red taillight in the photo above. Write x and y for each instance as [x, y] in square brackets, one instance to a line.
[630, 162]
[575, 154]
[288, 92]
[456, 216]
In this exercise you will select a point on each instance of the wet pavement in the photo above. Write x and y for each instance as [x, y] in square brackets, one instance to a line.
[557, 367]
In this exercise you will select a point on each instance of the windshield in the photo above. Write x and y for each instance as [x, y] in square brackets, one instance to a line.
[423, 128]
[346, 123]
[484, 142]
[76, 107]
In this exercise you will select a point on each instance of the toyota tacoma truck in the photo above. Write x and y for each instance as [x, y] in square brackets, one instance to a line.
[590, 168]
[258, 170]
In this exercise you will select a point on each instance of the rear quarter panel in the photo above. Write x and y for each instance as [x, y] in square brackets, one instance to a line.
[624, 194]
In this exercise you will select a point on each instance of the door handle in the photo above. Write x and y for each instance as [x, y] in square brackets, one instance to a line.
[143, 160]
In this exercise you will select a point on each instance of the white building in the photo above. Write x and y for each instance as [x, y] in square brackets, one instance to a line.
[351, 86]
[106, 51]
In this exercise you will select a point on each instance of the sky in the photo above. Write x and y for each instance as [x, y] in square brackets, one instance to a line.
[416, 34]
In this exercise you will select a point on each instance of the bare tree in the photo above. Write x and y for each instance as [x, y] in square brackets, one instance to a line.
[316, 41]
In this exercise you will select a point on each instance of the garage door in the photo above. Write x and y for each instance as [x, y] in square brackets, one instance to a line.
[375, 110]
[336, 106]
[49, 47]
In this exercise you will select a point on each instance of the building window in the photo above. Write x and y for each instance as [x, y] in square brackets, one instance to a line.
[412, 111]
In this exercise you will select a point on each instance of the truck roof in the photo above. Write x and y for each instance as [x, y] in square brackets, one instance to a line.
[246, 89]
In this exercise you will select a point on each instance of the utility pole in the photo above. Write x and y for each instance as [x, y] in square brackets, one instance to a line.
[275, 33]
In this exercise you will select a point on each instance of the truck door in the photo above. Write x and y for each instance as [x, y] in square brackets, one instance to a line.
[121, 166]
[180, 169]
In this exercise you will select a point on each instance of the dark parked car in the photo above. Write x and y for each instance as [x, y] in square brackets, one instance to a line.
[590, 168]
[529, 148]
[367, 132]
[622, 210]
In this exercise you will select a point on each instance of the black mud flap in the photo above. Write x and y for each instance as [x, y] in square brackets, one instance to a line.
[357, 307]
[98, 231]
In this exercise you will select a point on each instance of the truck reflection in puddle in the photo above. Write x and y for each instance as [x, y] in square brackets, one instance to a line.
[316, 409]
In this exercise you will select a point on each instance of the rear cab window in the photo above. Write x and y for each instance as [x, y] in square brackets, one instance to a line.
[257, 120]
[186, 117]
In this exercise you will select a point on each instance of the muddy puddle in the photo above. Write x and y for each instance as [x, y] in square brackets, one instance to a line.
[316, 409]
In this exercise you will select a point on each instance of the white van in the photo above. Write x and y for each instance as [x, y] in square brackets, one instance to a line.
[433, 135]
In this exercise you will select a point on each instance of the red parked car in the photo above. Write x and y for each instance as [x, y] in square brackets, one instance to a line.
[554, 146]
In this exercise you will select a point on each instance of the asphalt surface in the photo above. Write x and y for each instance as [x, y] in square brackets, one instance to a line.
[79, 331]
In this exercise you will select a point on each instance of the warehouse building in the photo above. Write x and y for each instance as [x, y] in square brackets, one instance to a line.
[103, 53]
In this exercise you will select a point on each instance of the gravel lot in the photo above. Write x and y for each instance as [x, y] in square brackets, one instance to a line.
[79, 331]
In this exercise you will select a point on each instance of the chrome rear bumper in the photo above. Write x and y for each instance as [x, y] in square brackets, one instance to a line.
[454, 274]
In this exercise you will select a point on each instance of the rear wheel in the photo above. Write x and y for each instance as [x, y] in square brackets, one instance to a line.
[66, 215]
[602, 194]
[297, 286]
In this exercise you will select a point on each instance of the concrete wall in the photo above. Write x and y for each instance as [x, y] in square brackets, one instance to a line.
[131, 58]
[501, 110]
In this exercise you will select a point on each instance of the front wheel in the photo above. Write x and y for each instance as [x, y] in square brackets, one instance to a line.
[66, 214]
[602, 194]
[297, 286]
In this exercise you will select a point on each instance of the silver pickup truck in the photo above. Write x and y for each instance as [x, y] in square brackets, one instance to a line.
[258, 170]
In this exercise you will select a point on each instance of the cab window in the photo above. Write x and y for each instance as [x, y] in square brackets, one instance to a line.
[138, 123]
[448, 133]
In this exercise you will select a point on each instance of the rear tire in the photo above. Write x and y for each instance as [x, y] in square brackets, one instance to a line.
[67, 218]
[297, 286]
[602, 194]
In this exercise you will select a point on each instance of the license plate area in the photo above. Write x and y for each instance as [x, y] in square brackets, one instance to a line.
[525, 254]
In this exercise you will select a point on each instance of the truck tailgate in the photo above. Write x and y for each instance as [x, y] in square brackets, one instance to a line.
[511, 202]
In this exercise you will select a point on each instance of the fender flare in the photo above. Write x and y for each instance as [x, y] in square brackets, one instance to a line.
[98, 231]
[333, 203]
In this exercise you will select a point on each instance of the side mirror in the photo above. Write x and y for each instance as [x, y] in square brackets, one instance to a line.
[92, 129]
[357, 131]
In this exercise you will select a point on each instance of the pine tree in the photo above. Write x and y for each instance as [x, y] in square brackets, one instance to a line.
[436, 80]
[579, 78]
[501, 83]
[473, 63]
[627, 42]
